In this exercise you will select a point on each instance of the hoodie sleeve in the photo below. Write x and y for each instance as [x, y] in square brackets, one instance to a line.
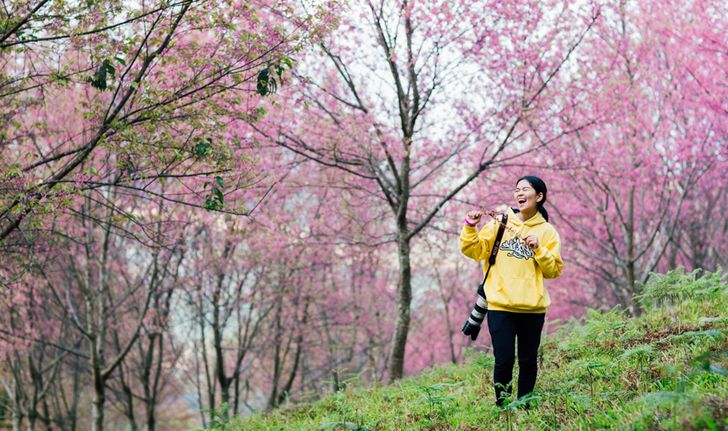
[477, 245]
[548, 255]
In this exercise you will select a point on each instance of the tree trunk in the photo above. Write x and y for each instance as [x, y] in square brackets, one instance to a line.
[17, 420]
[99, 399]
[630, 263]
[404, 299]
[151, 417]
[277, 361]
[152, 388]
[76, 394]
[450, 333]
[220, 374]
[126, 389]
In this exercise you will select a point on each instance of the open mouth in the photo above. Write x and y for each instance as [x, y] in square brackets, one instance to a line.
[521, 201]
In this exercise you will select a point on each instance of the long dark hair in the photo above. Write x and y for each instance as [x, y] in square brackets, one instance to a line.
[540, 187]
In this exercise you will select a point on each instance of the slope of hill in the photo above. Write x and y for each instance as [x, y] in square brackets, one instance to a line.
[664, 370]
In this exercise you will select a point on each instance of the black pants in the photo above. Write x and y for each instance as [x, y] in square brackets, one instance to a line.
[504, 328]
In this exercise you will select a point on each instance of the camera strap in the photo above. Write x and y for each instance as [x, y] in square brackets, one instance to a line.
[494, 252]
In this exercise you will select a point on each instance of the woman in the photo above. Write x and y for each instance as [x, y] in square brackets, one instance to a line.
[530, 251]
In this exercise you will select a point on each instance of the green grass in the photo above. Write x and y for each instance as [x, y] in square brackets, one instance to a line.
[665, 370]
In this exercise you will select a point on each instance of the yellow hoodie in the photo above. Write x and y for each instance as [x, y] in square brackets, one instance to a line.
[515, 283]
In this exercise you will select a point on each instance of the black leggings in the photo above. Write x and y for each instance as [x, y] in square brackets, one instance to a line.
[504, 327]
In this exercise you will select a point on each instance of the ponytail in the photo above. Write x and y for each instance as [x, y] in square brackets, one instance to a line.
[543, 211]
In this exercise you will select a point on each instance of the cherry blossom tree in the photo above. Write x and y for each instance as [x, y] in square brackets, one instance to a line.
[658, 139]
[159, 88]
[443, 93]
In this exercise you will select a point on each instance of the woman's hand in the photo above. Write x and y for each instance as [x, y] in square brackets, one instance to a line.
[473, 217]
[532, 241]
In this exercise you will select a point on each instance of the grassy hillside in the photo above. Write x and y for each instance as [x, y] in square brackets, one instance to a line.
[667, 369]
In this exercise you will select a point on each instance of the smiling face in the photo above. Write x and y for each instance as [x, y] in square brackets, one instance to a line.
[526, 197]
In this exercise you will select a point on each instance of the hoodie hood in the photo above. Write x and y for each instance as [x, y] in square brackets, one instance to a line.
[536, 220]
